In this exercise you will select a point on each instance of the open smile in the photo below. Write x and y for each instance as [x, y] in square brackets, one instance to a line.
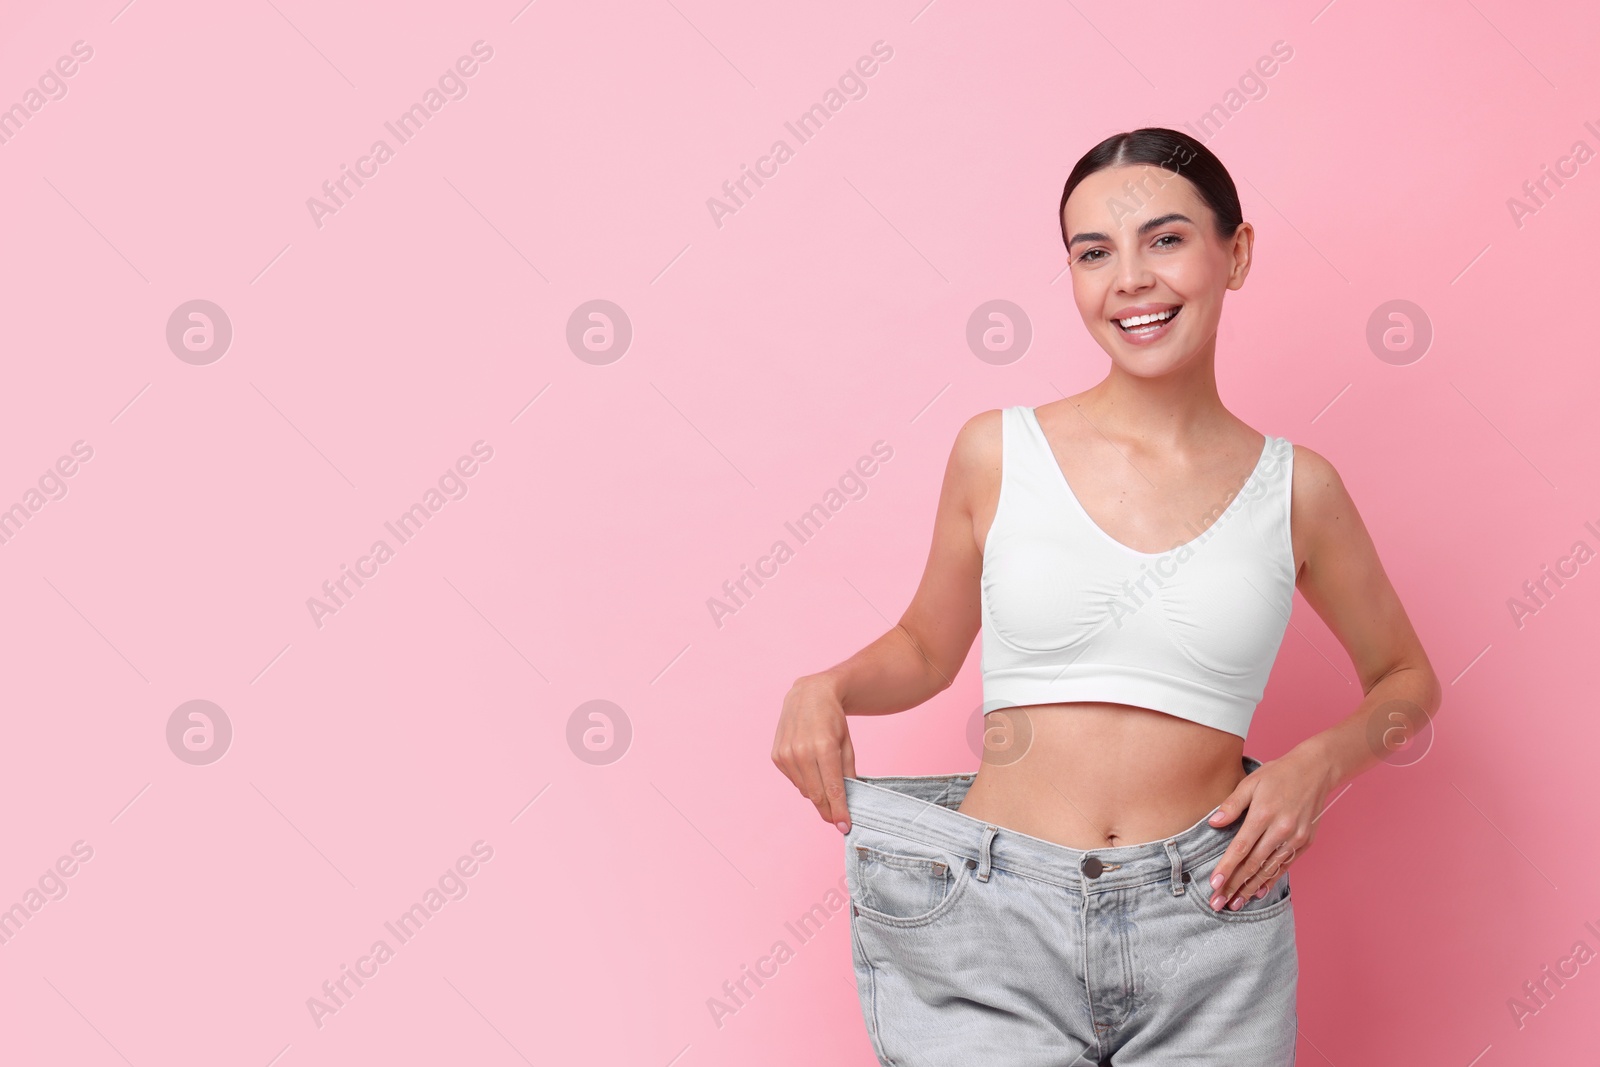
[1148, 325]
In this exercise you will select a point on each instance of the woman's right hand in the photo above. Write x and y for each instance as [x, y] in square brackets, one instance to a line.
[812, 747]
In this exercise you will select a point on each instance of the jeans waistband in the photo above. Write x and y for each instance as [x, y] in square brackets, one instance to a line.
[922, 808]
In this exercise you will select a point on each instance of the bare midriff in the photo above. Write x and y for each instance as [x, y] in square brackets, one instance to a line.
[1099, 775]
[1093, 775]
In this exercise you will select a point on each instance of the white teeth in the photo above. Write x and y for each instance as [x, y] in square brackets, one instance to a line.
[1140, 320]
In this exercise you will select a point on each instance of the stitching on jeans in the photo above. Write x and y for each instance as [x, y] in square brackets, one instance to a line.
[902, 861]
[914, 842]
[1088, 985]
[957, 889]
[1267, 911]
[1128, 978]
[1189, 862]
[874, 1031]
[936, 873]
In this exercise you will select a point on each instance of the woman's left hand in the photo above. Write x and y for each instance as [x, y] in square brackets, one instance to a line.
[1282, 800]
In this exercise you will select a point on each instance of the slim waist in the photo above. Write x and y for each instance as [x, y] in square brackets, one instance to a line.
[923, 808]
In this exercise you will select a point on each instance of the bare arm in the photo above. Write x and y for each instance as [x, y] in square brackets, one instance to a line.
[917, 658]
[920, 656]
[1344, 582]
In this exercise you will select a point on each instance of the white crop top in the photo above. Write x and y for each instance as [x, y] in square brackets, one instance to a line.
[1070, 613]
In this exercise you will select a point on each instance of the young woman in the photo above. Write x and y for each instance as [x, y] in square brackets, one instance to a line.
[1113, 881]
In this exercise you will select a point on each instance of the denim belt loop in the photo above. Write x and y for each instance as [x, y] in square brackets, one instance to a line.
[1171, 845]
[983, 852]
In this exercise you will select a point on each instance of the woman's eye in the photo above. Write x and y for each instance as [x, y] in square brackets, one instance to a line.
[1093, 255]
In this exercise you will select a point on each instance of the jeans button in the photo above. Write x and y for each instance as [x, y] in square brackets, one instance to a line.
[1092, 866]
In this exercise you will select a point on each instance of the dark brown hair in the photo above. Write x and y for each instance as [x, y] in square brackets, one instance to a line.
[1169, 150]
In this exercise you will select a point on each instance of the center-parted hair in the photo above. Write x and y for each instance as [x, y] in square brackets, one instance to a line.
[1170, 150]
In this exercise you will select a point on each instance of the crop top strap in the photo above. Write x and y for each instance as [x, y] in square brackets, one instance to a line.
[1027, 466]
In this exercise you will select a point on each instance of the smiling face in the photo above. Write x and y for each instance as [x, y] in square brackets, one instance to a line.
[1143, 248]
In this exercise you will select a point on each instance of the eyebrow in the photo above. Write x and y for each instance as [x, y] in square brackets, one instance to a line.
[1144, 228]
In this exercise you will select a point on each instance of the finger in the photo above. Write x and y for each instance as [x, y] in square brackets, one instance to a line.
[847, 754]
[1281, 863]
[1231, 870]
[1265, 873]
[1237, 802]
[1231, 886]
[1227, 812]
[1259, 886]
[1272, 859]
[801, 767]
[830, 769]
[784, 759]
[1237, 849]
[1278, 865]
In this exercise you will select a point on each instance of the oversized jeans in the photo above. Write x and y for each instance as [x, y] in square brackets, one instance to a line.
[977, 946]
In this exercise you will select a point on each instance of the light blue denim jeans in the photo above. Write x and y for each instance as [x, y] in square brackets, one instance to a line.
[977, 946]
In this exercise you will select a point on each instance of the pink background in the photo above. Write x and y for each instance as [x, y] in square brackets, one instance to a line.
[430, 312]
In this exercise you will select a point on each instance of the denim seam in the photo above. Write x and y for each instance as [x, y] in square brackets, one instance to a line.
[1074, 885]
[897, 828]
[874, 1032]
[902, 862]
[958, 889]
[1123, 902]
[1272, 911]
[1088, 979]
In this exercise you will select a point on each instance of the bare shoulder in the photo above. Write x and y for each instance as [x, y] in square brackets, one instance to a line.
[977, 443]
[1318, 490]
[972, 477]
[1322, 513]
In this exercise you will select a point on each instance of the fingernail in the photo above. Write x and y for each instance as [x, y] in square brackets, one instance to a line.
[844, 828]
[1236, 905]
[1216, 880]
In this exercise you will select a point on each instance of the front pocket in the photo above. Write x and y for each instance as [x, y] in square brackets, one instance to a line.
[1275, 903]
[902, 883]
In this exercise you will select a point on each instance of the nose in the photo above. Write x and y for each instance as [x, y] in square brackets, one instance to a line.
[1133, 276]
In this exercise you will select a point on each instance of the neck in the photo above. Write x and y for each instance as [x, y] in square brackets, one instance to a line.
[1173, 410]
